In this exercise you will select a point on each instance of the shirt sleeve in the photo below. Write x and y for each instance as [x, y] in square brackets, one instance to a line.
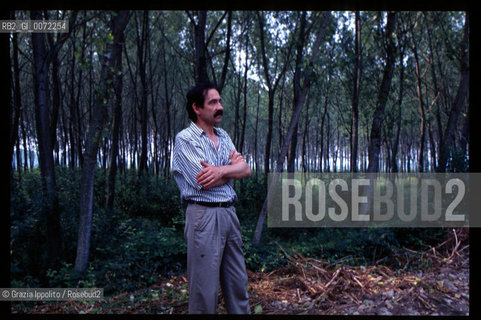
[230, 146]
[186, 161]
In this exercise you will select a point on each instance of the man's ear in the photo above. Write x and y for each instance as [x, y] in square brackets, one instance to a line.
[195, 108]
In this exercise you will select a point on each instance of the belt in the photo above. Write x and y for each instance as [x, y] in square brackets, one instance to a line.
[211, 204]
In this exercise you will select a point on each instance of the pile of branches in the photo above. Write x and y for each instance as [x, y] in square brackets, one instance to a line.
[313, 286]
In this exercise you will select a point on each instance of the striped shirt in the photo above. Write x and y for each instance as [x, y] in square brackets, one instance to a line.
[191, 146]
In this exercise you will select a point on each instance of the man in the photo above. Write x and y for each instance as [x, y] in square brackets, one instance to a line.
[204, 163]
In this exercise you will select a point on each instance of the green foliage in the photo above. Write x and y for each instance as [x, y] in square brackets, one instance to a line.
[27, 232]
[142, 250]
[142, 237]
[148, 196]
[251, 197]
[357, 246]
[263, 258]
[68, 277]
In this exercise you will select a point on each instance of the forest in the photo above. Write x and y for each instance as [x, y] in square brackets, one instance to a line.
[94, 111]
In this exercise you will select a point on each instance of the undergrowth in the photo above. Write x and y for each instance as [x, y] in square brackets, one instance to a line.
[142, 238]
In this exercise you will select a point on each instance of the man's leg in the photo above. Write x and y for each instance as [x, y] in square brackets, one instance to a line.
[233, 276]
[204, 254]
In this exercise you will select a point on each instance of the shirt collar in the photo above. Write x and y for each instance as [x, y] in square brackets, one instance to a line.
[198, 131]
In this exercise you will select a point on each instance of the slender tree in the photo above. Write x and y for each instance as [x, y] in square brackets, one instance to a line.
[419, 92]
[17, 99]
[116, 121]
[198, 20]
[375, 137]
[142, 43]
[99, 116]
[355, 94]
[395, 145]
[459, 100]
[272, 84]
[223, 76]
[244, 94]
[45, 147]
[300, 43]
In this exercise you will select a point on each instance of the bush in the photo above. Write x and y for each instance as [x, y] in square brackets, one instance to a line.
[140, 250]
[148, 196]
[27, 225]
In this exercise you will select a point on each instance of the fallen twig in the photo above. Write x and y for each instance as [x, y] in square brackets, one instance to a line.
[333, 278]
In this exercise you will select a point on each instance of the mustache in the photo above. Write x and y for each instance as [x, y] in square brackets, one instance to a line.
[219, 113]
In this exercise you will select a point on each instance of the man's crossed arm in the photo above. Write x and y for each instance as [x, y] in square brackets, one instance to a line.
[211, 176]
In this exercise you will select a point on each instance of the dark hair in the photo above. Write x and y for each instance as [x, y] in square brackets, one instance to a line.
[197, 95]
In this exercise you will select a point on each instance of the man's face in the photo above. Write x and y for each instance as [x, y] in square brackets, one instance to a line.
[212, 111]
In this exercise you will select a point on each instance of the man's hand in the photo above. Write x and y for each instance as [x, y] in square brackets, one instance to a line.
[235, 157]
[212, 176]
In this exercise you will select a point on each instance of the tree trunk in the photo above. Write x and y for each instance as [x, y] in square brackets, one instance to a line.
[291, 154]
[420, 103]
[437, 91]
[302, 37]
[17, 100]
[305, 159]
[395, 146]
[24, 142]
[78, 117]
[117, 119]
[375, 141]
[237, 90]
[56, 94]
[256, 160]
[433, 147]
[45, 149]
[66, 136]
[355, 95]
[167, 117]
[221, 83]
[270, 128]
[142, 40]
[280, 116]
[328, 145]
[458, 103]
[200, 62]
[321, 152]
[464, 137]
[71, 108]
[94, 139]
[244, 110]
[375, 137]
